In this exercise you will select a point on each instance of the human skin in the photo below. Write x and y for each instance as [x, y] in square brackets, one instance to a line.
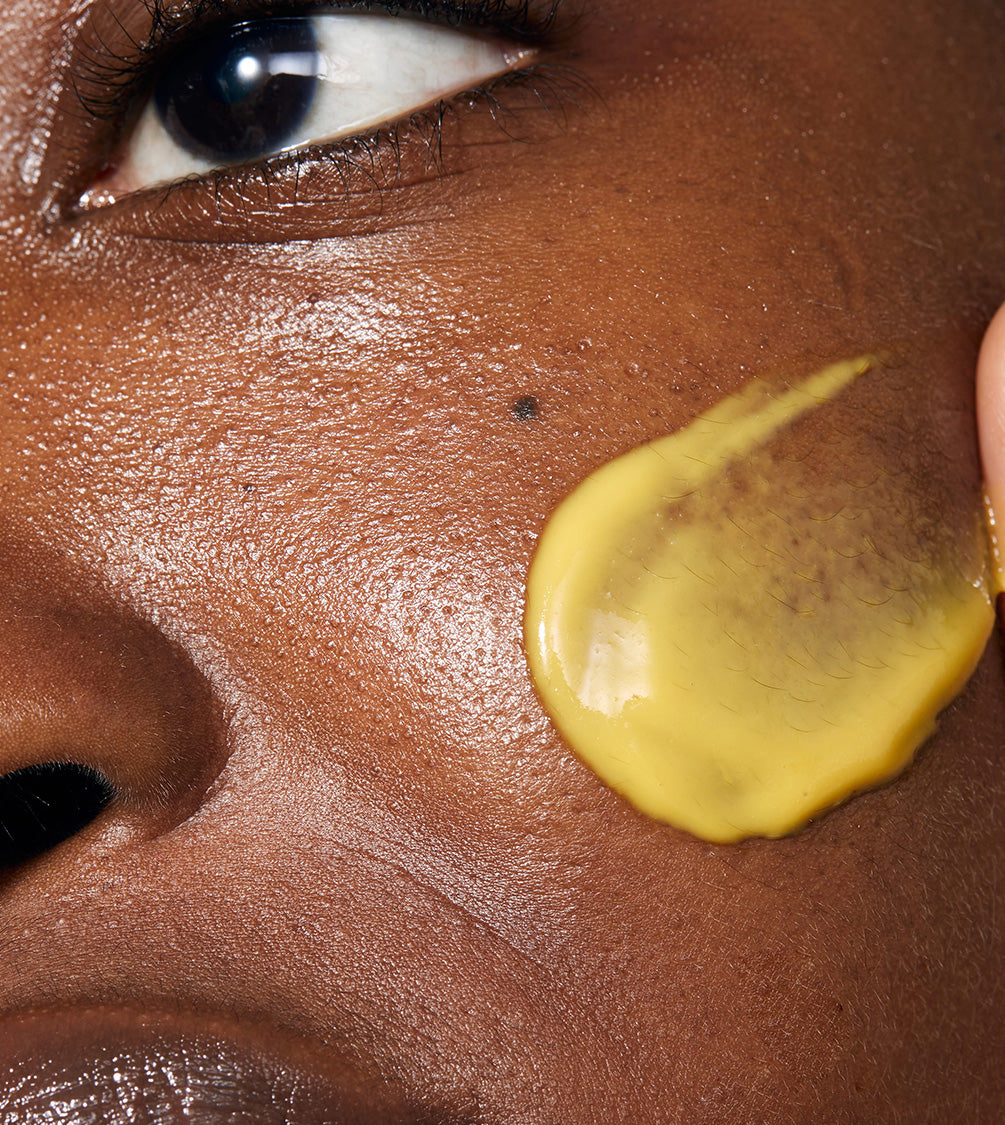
[267, 515]
[991, 421]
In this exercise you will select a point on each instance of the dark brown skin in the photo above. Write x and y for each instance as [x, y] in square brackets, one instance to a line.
[280, 489]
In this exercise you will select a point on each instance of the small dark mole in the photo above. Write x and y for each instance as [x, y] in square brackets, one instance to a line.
[525, 408]
[248, 488]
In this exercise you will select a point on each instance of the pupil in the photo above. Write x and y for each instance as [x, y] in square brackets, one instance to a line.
[243, 92]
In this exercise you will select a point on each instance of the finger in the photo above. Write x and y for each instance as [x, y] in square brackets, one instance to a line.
[991, 427]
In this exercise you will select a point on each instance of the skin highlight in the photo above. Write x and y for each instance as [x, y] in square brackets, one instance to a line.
[368, 842]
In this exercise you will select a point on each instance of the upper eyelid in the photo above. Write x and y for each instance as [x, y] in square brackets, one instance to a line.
[522, 18]
[169, 21]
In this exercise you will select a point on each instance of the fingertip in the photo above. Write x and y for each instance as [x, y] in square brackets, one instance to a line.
[991, 429]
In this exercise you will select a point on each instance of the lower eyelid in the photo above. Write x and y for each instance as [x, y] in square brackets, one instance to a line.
[380, 69]
[389, 179]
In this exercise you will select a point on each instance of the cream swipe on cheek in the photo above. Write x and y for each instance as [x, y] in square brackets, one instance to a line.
[736, 631]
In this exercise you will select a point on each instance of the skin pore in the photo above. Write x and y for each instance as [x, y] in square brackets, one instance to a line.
[270, 486]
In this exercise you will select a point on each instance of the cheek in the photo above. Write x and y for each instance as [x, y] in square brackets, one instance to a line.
[331, 458]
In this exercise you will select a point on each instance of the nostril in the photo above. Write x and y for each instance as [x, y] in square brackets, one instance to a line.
[43, 805]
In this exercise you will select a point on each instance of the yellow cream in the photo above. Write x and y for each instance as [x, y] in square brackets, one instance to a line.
[736, 629]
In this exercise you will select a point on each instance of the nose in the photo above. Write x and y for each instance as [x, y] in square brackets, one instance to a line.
[105, 726]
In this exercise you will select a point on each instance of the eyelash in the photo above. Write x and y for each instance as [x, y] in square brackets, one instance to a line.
[110, 84]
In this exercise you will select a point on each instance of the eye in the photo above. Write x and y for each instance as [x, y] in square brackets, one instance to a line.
[255, 89]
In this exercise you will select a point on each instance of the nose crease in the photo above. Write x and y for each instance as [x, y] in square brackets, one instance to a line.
[103, 720]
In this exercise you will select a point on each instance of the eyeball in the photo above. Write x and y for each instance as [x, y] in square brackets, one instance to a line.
[256, 89]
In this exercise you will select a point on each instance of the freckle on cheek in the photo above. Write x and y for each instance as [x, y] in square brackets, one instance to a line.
[525, 408]
[737, 627]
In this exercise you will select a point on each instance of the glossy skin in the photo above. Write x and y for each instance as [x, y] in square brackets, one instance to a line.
[281, 488]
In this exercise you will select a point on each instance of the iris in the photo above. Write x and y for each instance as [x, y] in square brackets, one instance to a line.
[243, 92]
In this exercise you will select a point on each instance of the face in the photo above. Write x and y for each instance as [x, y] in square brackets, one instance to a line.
[276, 446]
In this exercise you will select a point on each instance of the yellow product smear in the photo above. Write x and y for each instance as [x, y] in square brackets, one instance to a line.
[743, 623]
